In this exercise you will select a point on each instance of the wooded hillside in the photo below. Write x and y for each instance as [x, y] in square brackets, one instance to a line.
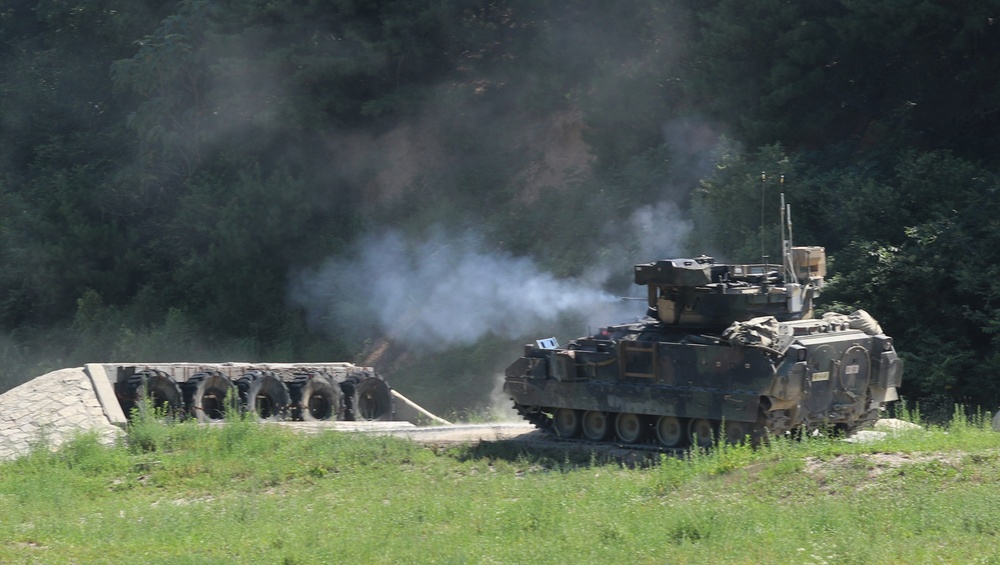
[424, 185]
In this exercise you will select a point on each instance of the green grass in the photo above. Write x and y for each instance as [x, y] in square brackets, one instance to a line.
[185, 493]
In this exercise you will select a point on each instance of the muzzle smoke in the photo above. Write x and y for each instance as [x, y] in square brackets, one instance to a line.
[443, 292]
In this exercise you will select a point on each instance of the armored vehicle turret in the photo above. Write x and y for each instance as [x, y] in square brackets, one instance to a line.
[728, 351]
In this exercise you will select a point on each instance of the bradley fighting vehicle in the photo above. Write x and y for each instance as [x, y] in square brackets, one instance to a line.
[730, 350]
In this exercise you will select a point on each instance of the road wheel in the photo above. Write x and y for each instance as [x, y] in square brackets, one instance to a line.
[628, 427]
[736, 432]
[595, 425]
[701, 432]
[566, 422]
[670, 432]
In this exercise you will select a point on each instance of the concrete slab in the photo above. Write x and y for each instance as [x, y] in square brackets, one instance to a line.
[106, 394]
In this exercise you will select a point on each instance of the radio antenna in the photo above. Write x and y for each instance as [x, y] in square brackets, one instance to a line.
[763, 183]
[786, 236]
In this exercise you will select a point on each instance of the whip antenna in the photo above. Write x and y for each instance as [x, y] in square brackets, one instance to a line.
[763, 183]
[786, 236]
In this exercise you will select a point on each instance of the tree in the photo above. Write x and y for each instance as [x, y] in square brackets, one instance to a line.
[874, 73]
[933, 286]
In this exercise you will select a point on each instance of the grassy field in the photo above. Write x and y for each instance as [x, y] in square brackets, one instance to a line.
[246, 493]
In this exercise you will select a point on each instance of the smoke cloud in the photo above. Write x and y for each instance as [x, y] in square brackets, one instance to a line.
[659, 229]
[445, 291]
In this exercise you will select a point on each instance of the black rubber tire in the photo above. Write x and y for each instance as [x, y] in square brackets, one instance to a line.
[209, 396]
[366, 398]
[263, 394]
[315, 397]
[158, 387]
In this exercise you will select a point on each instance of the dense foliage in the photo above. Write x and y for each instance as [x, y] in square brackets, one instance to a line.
[169, 171]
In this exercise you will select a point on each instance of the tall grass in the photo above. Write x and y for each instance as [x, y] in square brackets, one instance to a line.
[179, 492]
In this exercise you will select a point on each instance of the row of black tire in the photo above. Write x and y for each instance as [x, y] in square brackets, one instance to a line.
[271, 395]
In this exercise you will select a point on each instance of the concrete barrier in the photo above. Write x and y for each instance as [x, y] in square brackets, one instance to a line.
[50, 409]
[54, 407]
